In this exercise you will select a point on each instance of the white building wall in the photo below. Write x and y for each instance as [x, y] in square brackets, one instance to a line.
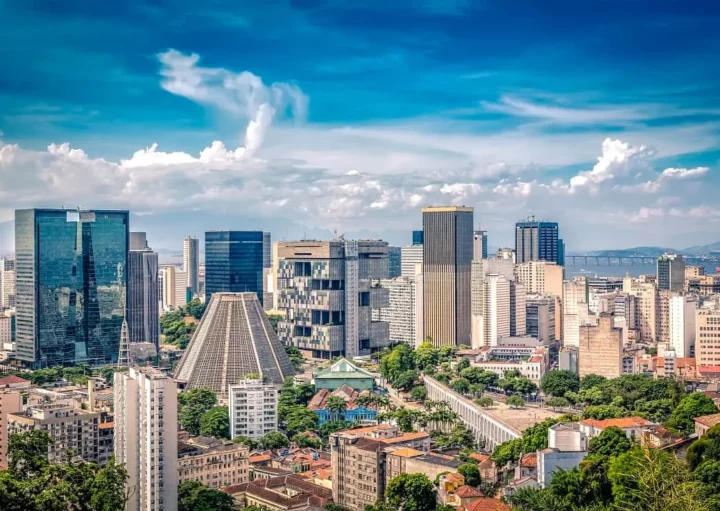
[682, 325]
[410, 256]
[496, 309]
[253, 408]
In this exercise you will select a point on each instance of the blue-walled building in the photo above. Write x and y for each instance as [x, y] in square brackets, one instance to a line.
[234, 262]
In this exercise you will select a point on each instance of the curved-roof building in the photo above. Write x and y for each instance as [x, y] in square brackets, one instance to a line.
[234, 339]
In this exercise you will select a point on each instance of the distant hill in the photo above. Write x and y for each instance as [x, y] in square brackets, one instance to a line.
[702, 249]
[636, 251]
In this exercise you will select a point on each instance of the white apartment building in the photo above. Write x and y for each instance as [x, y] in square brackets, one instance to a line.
[146, 437]
[402, 310]
[540, 277]
[567, 447]
[682, 311]
[174, 287]
[6, 332]
[72, 430]
[410, 256]
[252, 408]
[646, 307]
[575, 311]
[7, 283]
[496, 309]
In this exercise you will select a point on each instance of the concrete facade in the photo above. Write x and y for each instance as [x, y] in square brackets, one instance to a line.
[252, 408]
[601, 349]
[707, 337]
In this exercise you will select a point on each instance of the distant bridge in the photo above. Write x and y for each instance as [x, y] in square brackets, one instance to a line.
[585, 261]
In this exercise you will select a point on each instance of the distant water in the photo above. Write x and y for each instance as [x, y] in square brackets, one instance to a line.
[622, 270]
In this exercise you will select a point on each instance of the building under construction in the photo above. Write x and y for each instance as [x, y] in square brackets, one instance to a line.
[233, 341]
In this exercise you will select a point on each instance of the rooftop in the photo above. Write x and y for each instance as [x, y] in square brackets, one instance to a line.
[486, 504]
[709, 420]
[407, 452]
[622, 423]
[406, 437]
[466, 492]
[344, 369]
[13, 380]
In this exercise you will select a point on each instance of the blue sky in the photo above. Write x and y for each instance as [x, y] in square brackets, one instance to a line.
[352, 115]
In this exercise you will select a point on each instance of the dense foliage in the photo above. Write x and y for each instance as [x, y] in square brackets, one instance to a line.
[292, 408]
[195, 496]
[216, 423]
[31, 483]
[173, 326]
[192, 405]
[411, 492]
[558, 383]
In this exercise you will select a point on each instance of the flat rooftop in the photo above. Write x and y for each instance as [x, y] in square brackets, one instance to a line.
[519, 419]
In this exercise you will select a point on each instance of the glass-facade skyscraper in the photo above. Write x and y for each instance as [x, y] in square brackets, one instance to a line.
[71, 285]
[418, 237]
[233, 262]
[536, 240]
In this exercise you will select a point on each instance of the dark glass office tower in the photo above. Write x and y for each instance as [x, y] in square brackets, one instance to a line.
[418, 237]
[71, 285]
[233, 262]
[538, 241]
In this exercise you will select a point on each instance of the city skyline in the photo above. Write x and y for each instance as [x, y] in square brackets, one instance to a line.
[183, 126]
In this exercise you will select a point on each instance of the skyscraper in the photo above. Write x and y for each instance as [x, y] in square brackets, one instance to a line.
[143, 296]
[536, 240]
[138, 240]
[191, 261]
[7, 283]
[410, 257]
[671, 272]
[394, 261]
[146, 438]
[447, 258]
[480, 247]
[417, 237]
[71, 285]
[234, 262]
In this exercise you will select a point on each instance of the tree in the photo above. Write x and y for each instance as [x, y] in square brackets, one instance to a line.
[463, 363]
[419, 393]
[195, 308]
[336, 406]
[216, 423]
[557, 402]
[27, 453]
[508, 451]
[302, 440]
[405, 380]
[471, 473]
[274, 320]
[192, 404]
[274, 440]
[195, 496]
[411, 492]
[461, 385]
[591, 380]
[515, 402]
[329, 428]
[295, 356]
[691, 406]
[602, 412]
[300, 419]
[654, 480]
[485, 402]
[557, 383]
[611, 442]
[426, 355]
[401, 358]
[246, 441]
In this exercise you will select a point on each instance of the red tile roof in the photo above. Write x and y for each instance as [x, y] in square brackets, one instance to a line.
[708, 369]
[467, 492]
[479, 457]
[259, 458]
[622, 423]
[404, 438]
[485, 504]
[529, 461]
[709, 420]
[12, 380]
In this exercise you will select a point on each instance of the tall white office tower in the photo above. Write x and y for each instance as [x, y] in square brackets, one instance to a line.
[191, 262]
[146, 438]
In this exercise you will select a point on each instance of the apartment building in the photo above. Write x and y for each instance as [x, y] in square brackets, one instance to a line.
[74, 432]
[540, 277]
[402, 310]
[601, 348]
[681, 325]
[212, 462]
[540, 317]
[146, 437]
[646, 302]
[707, 338]
[253, 408]
[10, 402]
[575, 310]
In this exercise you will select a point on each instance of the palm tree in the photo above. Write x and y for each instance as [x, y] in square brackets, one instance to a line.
[336, 406]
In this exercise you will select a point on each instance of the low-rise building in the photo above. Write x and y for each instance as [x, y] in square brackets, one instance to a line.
[352, 412]
[343, 372]
[284, 493]
[406, 460]
[631, 426]
[74, 431]
[567, 446]
[704, 423]
[212, 462]
[252, 408]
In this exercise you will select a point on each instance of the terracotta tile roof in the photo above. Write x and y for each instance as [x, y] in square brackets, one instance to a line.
[709, 369]
[529, 461]
[485, 504]
[536, 359]
[407, 437]
[468, 492]
[12, 380]
[454, 477]
[685, 362]
[709, 420]
[306, 494]
[622, 423]
[407, 452]
[259, 457]
[479, 457]
[106, 425]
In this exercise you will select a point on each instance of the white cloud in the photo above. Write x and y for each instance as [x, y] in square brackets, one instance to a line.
[616, 157]
[243, 94]
[668, 174]
[674, 173]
